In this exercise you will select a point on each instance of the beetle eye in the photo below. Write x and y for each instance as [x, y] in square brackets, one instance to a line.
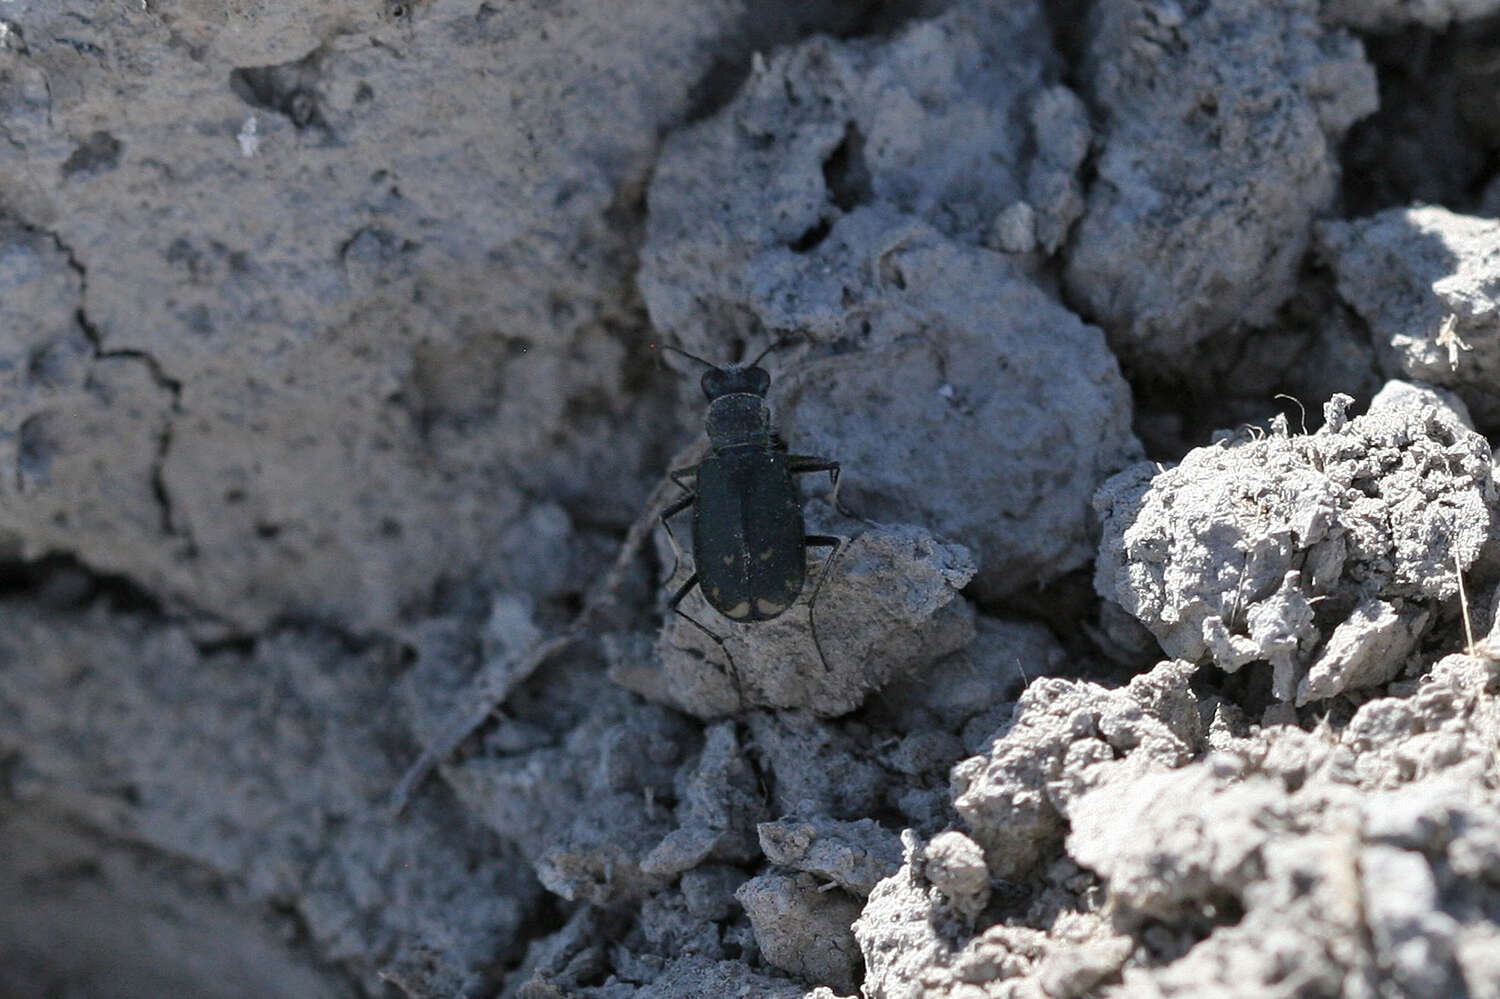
[713, 383]
[760, 380]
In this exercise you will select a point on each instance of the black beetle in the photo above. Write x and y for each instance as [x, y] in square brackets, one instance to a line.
[748, 533]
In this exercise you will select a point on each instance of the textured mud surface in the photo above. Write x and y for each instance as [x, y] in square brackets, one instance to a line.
[328, 395]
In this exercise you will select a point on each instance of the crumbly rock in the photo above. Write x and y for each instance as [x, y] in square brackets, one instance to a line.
[1425, 279]
[1322, 556]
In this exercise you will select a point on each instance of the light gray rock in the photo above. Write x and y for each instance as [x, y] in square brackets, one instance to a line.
[951, 120]
[697, 977]
[556, 963]
[718, 801]
[133, 918]
[852, 855]
[83, 433]
[890, 606]
[1072, 972]
[708, 891]
[817, 767]
[585, 812]
[667, 927]
[1410, 931]
[803, 929]
[251, 777]
[972, 691]
[1367, 648]
[1216, 157]
[324, 382]
[913, 947]
[975, 404]
[955, 865]
[1187, 845]
[897, 935]
[1425, 280]
[1375, 866]
[1284, 862]
[1067, 736]
[1225, 556]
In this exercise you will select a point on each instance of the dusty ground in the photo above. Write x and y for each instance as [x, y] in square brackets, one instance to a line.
[1160, 345]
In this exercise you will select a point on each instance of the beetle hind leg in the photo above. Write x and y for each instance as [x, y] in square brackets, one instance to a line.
[681, 504]
[837, 544]
[719, 640]
[666, 515]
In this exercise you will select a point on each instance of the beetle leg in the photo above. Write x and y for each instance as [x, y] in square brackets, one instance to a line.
[680, 505]
[800, 463]
[666, 515]
[821, 541]
[672, 605]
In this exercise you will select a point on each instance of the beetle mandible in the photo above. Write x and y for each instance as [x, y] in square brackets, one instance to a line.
[749, 544]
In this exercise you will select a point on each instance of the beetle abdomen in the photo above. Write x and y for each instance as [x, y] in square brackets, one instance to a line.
[748, 537]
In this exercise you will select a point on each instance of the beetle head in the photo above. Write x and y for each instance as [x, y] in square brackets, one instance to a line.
[751, 378]
[734, 379]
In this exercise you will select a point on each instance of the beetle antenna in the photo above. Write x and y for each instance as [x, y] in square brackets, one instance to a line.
[779, 341]
[679, 350]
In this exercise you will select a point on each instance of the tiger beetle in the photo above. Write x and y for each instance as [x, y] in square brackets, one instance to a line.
[748, 531]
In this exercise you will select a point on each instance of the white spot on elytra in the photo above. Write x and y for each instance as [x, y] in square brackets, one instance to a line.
[768, 606]
[739, 610]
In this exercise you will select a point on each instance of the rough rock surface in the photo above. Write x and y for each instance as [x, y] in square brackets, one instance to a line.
[1425, 280]
[1354, 865]
[134, 918]
[802, 929]
[921, 937]
[586, 811]
[327, 398]
[952, 121]
[1014, 797]
[1323, 555]
[1272, 861]
[1164, 264]
[853, 855]
[250, 770]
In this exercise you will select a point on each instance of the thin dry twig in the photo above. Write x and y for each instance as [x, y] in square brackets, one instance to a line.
[1302, 408]
[498, 679]
[1463, 602]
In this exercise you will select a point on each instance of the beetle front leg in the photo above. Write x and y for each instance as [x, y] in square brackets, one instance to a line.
[799, 464]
